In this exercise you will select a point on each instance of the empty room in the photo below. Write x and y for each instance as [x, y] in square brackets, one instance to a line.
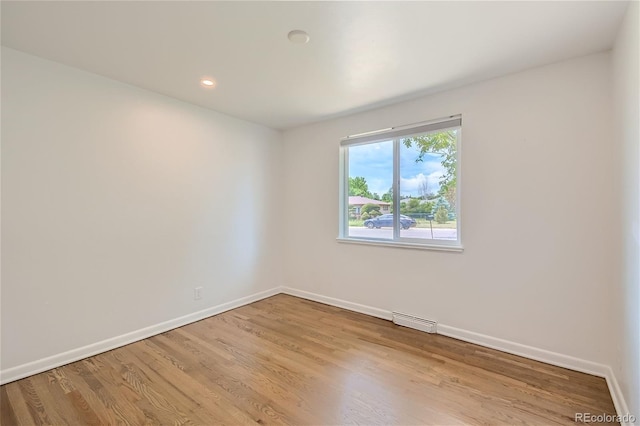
[320, 213]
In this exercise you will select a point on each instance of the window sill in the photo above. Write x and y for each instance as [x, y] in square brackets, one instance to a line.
[401, 244]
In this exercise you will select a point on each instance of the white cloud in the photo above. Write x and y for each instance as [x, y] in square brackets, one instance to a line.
[414, 185]
[378, 186]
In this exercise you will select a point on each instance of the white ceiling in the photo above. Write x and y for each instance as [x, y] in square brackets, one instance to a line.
[361, 54]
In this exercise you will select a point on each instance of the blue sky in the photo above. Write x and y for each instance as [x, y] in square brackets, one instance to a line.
[374, 162]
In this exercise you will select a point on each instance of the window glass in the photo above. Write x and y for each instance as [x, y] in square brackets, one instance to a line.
[401, 184]
[369, 186]
[428, 193]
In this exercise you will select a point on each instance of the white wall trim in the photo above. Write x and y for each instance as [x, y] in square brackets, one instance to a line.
[356, 307]
[44, 364]
[526, 351]
[618, 397]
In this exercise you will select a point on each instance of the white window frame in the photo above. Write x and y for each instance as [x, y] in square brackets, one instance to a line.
[395, 134]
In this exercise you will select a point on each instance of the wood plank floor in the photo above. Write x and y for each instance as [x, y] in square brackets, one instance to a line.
[289, 360]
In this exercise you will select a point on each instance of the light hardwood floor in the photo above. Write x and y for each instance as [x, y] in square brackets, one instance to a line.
[289, 360]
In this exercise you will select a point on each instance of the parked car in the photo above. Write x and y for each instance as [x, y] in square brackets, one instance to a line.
[386, 220]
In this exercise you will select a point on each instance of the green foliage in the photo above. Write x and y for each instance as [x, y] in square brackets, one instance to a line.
[358, 186]
[445, 144]
[370, 210]
[365, 216]
[449, 193]
[415, 205]
[388, 196]
[352, 213]
[442, 215]
[442, 202]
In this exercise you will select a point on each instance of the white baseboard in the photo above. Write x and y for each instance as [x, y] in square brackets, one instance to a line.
[44, 364]
[350, 306]
[618, 398]
[530, 352]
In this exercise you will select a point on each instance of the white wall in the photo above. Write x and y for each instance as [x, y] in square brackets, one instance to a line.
[539, 209]
[117, 202]
[626, 84]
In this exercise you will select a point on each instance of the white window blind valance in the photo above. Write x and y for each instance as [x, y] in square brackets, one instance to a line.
[403, 131]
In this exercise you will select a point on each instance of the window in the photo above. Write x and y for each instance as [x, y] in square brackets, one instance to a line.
[401, 186]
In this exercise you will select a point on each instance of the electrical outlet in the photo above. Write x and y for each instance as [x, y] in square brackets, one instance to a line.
[197, 293]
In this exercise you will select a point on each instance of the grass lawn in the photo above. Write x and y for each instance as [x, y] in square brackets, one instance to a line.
[420, 223]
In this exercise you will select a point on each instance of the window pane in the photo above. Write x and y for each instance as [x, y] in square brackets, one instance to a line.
[428, 186]
[370, 194]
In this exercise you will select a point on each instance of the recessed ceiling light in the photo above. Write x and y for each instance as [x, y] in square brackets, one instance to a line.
[207, 82]
[298, 37]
